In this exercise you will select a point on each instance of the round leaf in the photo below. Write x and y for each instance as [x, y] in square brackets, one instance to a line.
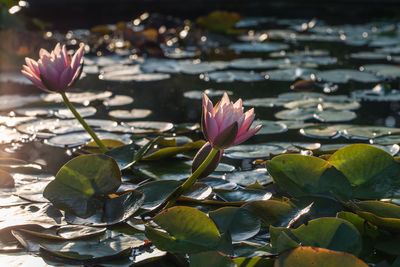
[81, 182]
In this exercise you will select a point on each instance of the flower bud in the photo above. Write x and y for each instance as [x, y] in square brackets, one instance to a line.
[201, 155]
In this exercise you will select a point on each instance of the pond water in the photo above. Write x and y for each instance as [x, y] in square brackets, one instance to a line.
[314, 87]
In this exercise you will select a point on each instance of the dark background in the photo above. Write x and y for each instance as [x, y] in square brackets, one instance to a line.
[85, 13]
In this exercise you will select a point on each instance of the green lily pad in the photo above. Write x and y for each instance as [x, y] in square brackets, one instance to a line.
[330, 233]
[291, 74]
[307, 256]
[188, 230]
[241, 224]
[118, 100]
[156, 192]
[253, 262]
[245, 178]
[67, 232]
[242, 194]
[323, 130]
[81, 183]
[225, 76]
[384, 70]
[257, 47]
[209, 92]
[270, 127]
[130, 114]
[253, 151]
[374, 171]
[345, 75]
[385, 215]
[267, 102]
[271, 212]
[141, 127]
[211, 259]
[302, 175]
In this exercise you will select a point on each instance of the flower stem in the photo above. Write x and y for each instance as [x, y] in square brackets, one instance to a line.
[191, 180]
[83, 123]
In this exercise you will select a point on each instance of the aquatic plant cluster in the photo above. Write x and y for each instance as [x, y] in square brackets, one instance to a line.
[151, 193]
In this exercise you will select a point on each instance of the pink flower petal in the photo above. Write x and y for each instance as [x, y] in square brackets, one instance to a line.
[65, 78]
[211, 127]
[34, 80]
[76, 60]
[247, 135]
[43, 52]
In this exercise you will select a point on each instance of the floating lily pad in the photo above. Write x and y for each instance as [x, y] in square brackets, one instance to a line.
[130, 114]
[368, 132]
[249, 177]
[345, 75]
[339, 235]
[306, 256]
[295, 114]
[377, 94]
[143, 77]
[241, 224]
[83, 180]
[118, 100]
[374, 178]
[382, 214]
[272, 212]
[335, 115]
[270, 127]
[44, 215]
[183, 66]
[257, 47]
[295, 124]
[366, 55]
[324, 130]
[268, 102]
[67, 114]
[171, 170]
[14, 77]
[387, 71]
[9, 135]
[10, 102]
[253, 151]
[80, 138]
[290, 74]
[51, 127]
[77, 97]
[257, 63]
[301, 175]
[139, 127]
[231, 76]
[387, 139]
[11, 121]
[208, 92]
[242, 195]
[188, 230]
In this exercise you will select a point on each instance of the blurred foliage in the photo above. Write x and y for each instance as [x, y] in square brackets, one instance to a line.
[220, 21]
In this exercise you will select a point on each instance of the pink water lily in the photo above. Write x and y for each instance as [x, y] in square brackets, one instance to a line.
[55, 71]
[226, 124]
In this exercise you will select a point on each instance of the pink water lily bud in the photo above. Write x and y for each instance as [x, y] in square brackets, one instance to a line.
[202, 155]
[55, 71]
[226, 124]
